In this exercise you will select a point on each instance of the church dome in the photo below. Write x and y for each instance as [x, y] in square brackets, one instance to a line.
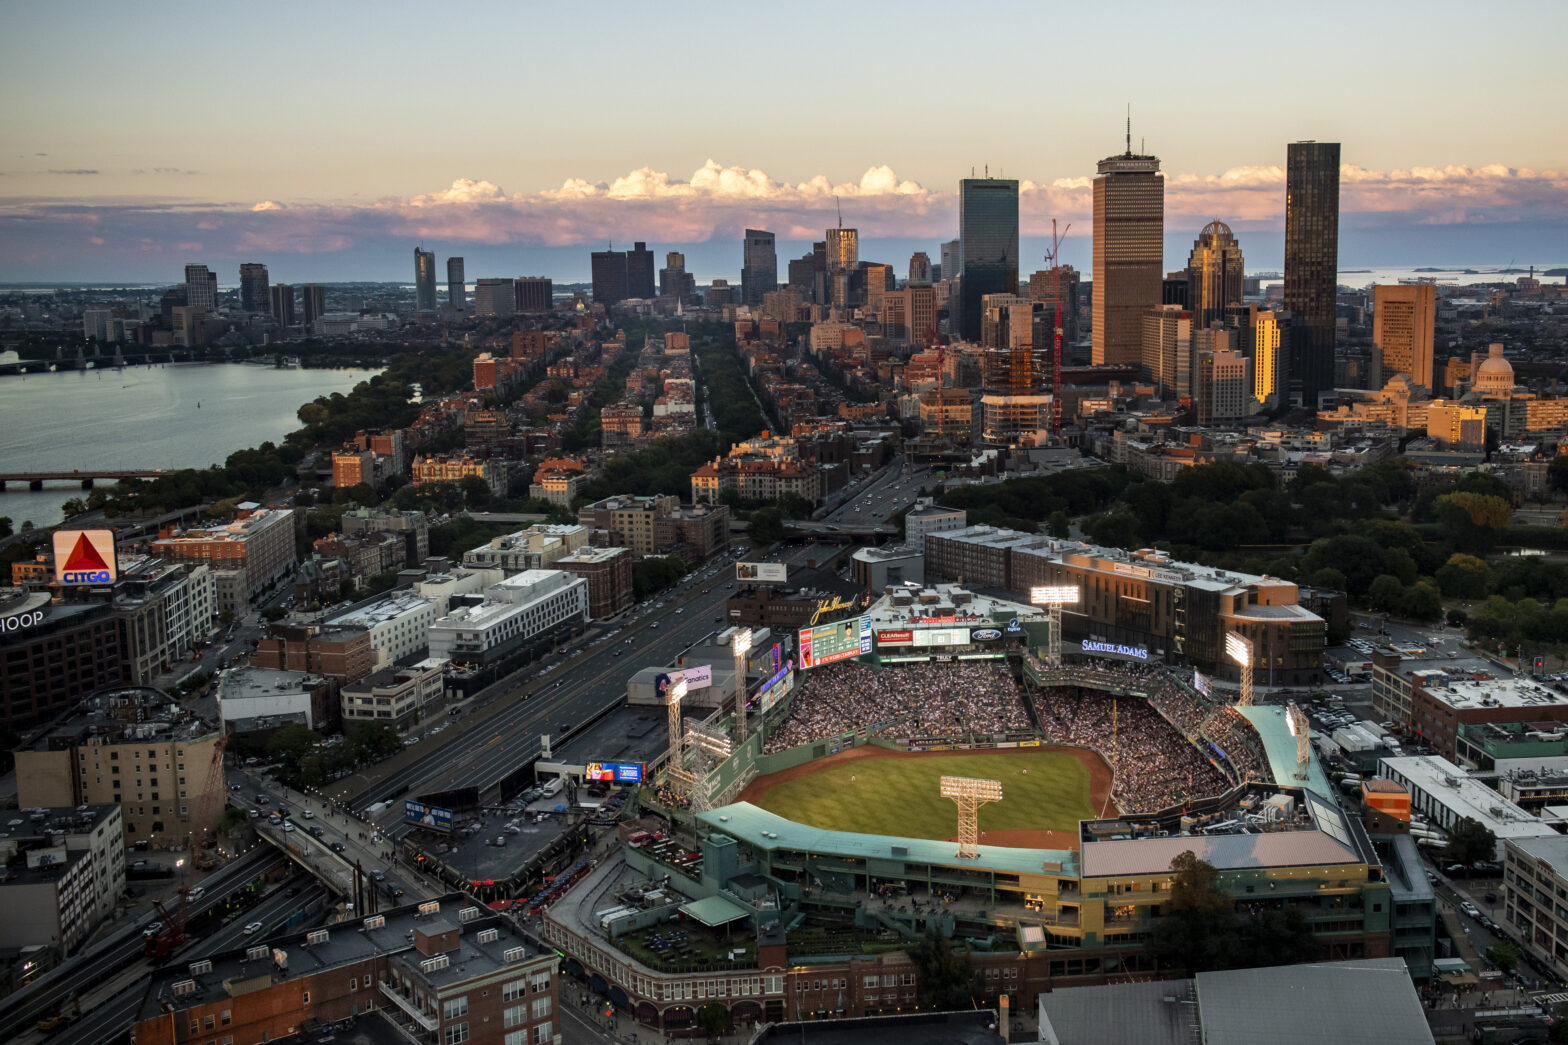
[1495, 375]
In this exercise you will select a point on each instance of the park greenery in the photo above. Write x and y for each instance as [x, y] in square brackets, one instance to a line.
[1200, 928]
[302, 760]
[730, 399]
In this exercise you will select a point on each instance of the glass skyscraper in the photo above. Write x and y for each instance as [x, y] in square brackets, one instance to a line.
[424, 280]
[1311, 263]
[1129, 253]
[1214, 271]
[759, 270]
[987, 246]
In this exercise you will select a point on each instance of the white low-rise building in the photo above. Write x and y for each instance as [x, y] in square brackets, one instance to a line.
[1444, 794]
[65, 871]
[515, 610]
[398, 624]
[397, 697]
[252, 699]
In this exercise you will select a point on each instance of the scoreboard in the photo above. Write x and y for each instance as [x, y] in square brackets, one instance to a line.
[827, 643]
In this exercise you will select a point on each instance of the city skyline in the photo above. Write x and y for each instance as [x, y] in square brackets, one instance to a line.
[87, 194]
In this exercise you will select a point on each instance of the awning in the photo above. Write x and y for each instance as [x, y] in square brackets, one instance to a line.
[714, 911]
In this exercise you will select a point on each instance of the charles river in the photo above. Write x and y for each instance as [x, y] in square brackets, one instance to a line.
[141, 417]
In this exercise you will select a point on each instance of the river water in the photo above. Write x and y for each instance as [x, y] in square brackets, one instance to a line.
[144, 417]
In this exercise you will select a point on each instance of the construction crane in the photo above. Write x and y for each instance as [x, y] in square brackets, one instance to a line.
[171, 937]
[208, 800]
[1053, 258]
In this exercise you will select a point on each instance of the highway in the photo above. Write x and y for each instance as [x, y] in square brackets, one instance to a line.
[105, 960]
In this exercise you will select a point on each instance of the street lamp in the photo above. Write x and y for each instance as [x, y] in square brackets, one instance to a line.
[1053, 598]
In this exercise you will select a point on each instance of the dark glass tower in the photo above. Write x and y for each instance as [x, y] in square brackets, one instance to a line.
[759, 271]
[610, 275]
[639, 272]
[1311, 263]
[456, 286]
[424, 280]
[987, 246]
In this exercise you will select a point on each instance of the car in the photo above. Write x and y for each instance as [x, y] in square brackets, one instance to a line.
[235, 787]
[654, 624]
[315, 830]
[337, 847]
[309, 815]
[292, 890]
[255, 814]
[153, 929]
[196, 892]
[680, 609]
[288, 825]
[378, 874]
[252, 929]
[1470, 909]
[619, 652]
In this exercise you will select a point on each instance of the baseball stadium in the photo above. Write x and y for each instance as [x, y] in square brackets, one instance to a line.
[1026, 805]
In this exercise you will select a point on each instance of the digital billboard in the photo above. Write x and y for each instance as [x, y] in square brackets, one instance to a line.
[827, 643]
[942, 637]
[84, 557]
[614, 772]
[437, 818]
[895, 638]
[762, 572]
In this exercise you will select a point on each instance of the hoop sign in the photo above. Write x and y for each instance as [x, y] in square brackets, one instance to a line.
[21, 621]
[84, 557]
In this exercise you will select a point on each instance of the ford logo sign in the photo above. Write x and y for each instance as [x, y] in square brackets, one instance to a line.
[985, 635]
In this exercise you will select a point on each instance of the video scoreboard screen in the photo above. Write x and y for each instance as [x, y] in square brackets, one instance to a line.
[827, 643]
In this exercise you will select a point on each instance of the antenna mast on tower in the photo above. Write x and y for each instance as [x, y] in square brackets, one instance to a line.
[1053, 258]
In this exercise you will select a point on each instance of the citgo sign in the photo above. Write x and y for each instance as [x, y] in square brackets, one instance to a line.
[84, 557]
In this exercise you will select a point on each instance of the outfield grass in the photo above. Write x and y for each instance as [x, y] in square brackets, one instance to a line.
[901, 796]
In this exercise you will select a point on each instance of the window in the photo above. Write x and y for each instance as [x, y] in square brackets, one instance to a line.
[305, 998]
[353, 983]
[452, 1008]
[517, 1037]
[516, 1014]
[514, 990]
[225, 1017]
[871, 981]
[541, 1008]
[542, 1033]
[208, 1022]
[457, 1033]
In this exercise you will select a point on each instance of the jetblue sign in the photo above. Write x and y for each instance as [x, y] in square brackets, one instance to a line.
[1114, 650]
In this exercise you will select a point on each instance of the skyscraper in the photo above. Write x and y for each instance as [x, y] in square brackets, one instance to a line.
[201, 288]
[424, 280]
[1214, 270]
[609, 276]
[950, 256]
[843, 258]
[987, 246]
[639, 272]
[759, 270]
[283, 304]
[456, 287]
[313, 301]
[534, 293]
[1312, 262]
[1402, 332]
[919, 267]
[253, 288]
[1129, 253]
[1166, 349]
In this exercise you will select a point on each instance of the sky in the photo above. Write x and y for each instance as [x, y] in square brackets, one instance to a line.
[326, 140]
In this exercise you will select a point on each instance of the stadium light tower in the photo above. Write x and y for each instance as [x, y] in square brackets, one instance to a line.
[674, 772]
[969, 792]
[1239, 649]
[1053, 598]
[1301, 729]
[709, 746]
[740, 645]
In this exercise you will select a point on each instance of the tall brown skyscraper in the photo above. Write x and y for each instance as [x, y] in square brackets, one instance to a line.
[1402, 332]
[1129, 253]
[1214, 271]
[1311, 263]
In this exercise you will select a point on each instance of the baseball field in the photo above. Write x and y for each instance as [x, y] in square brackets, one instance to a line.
[1045, 792]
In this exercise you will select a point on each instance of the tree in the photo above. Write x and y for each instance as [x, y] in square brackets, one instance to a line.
[1464, 577]
[73, 507]
[1330, 578]
[1386, 594]
[1058, 525]
[476, 492]
[1503, 954]
[1197, 929]
[767, 526]
[274, 612]
[373, 742]
[290, 744]
[1470, 842]
[1557, 473]
[5, 526]
[1475, 520]
[1114, 529]
[713, 1018]
[943, 975]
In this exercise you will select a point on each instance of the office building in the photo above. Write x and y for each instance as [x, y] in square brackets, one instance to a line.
[247, 556]
[988, 246]
[659, 525]
[1263, 335]
[1535, 881]
[62, 869]
[456, 289]
[495, 297]
[201, 288]
[424, 280]
[639, 272]
[842, 254]
[513, 612]
[395, 696]
[1166, 358]
[1129, 253]
[1312, 263]
[138, 749]
[759, 273]
[610, 277]
[1222, 389]
[608, 572]
[262, 700]
[1214, 271]
[283, 304]
[343, 653]
[950, 265]
[920, 267]
[534, 293]
[166, 610]
[675, 283]
[54, 653]
[535, 548]
[1402, 332]
[447, 972]
[253, 288]
[396, 622]
[313, 303]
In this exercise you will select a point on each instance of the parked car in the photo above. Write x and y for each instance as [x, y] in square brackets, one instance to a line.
[153, 930]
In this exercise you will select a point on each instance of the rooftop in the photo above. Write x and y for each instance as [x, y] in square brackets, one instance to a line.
[1366, 1002]
[1466, 796]
[972, 1027]
[17, 825]
[1463, 692]
[127, 713]
[1551, 848]
[379, 611]
[241, 683]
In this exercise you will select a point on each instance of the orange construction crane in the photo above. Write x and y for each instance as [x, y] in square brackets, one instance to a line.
[209, 800]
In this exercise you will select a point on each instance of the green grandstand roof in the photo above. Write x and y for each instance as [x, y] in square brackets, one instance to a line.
[757, 827]
[1279, 744]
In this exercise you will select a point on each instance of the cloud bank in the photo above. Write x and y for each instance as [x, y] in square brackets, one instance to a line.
[716, 202]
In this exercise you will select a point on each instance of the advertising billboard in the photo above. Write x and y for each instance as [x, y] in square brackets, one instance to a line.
[942, 637]
[615, 772]
[827, 643]
[436, 818]
[84, 557]
[895, 638]
[762, 572]
[985, 634]
[698, 676]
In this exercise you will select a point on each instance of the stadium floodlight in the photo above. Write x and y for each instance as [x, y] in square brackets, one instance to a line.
[1238, 649]
[740, 643]
[678, 691]
[1053, 595]
[969, 793]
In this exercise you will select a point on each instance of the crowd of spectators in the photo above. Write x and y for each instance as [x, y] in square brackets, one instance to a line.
[933, 699]
[1153, 765]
